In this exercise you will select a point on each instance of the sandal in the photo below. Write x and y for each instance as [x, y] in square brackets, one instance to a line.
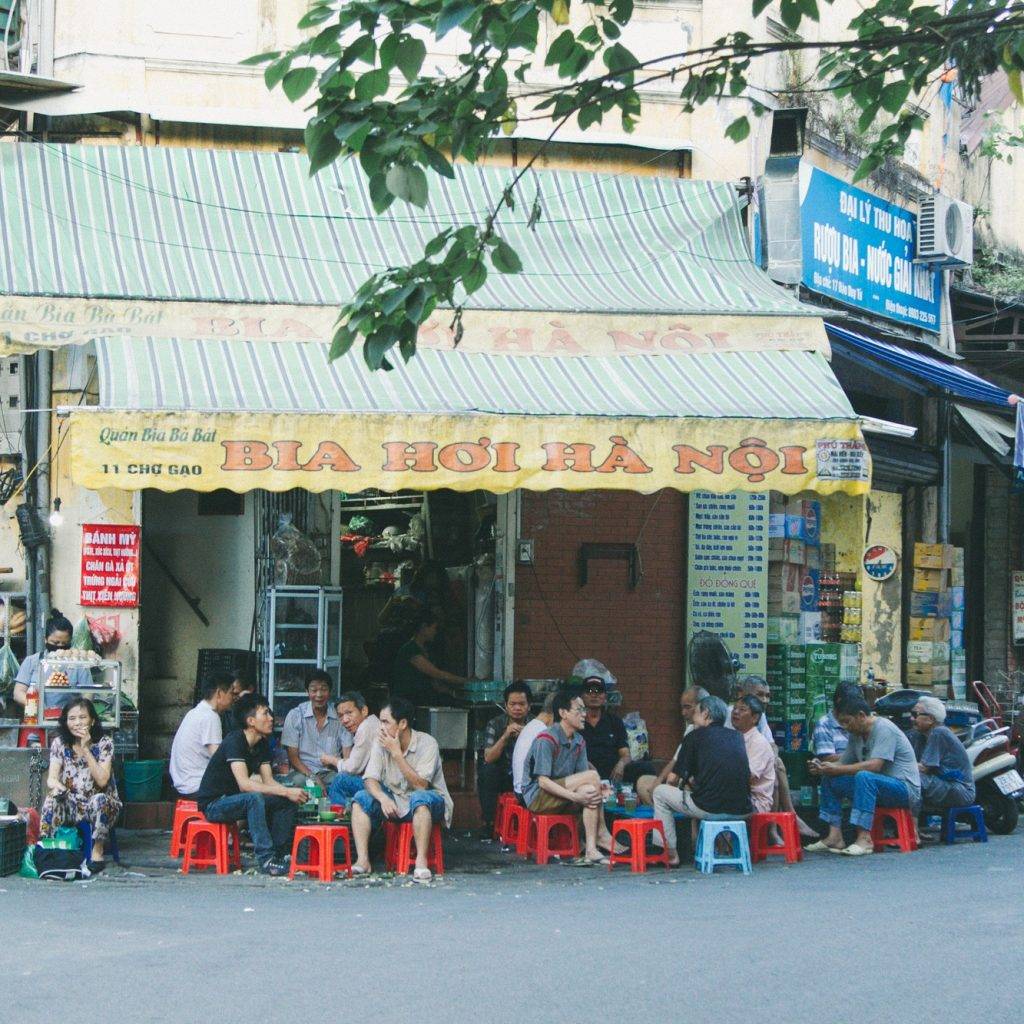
[822, 847]
[422, 875]
[856, 850]
[359, 870]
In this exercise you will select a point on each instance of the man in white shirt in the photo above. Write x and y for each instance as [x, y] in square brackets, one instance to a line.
[524, 741]
[199, 735]
[356, 718]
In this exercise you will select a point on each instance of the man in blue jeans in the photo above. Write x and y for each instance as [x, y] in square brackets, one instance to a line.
[229, 791]
[877, 769]
[404, 782]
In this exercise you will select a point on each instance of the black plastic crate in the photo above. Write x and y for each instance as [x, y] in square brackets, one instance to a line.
[12, 846]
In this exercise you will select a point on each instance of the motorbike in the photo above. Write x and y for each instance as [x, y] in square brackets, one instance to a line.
[998, 784]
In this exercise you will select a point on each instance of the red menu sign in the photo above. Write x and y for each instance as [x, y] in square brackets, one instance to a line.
[110, 566]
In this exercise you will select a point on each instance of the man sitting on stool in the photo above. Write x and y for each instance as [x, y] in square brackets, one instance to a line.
[355, 717]
[647, 784]
[404, 782]
[713, 764]
[494, 768]
[558, 780]
[878, 767]
[947, 778]
[230, 791]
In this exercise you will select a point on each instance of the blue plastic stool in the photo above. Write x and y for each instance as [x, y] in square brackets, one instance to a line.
[978, 834]
[706, 857]
[86, 829]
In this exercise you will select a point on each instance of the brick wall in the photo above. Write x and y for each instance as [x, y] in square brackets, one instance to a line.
[637, 633]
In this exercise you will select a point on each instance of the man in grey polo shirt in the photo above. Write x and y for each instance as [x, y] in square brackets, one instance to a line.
[311, 730]
[558, 779]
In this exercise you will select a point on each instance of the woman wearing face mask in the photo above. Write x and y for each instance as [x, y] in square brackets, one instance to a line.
[58, 638]
[80, 781]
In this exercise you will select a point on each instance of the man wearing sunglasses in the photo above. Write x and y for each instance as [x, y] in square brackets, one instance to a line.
[604, 733]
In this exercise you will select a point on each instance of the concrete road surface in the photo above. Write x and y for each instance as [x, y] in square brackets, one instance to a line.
[934, 936]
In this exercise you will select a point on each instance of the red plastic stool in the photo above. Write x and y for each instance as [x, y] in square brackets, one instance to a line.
[211, 845]
[541, 828]
[398, 856]
[184, 812]
[638, 829]
[517, 828]
[905, 839]
[505, 802]
[760, 830]
[320, 858]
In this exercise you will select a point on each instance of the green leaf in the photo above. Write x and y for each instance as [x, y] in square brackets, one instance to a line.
[411, 55]
[297, 82]
[436, 160]
[276, 71]
[316, 16]
[560, 48]
[396, 297]
[618, 58]
[738, 130]
[436, 244]
[1014, 82]
[408, 182]
[475, 276]
[894, 96]
[345, 130]
[388, 51]
[505, 259]
[380, 195]
[453, 14]
[372, 84]
[759, 6]
[342, 341]
[321, 145]
[261, 58]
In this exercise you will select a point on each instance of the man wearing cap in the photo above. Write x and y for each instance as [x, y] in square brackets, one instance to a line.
[604, 733]
[947, 779]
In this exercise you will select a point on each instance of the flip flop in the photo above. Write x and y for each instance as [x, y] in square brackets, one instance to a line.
[422, 875]
[856, 850]
[359, 870]
[819, 847]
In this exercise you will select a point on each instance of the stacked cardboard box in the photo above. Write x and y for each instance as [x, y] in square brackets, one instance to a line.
[958, 656]
[938, 595]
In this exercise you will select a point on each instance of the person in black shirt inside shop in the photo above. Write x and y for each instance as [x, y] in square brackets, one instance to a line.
[414, 677]
[714, 773]
[229, 791]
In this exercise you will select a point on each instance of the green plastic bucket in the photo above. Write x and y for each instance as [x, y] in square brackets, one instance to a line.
[143, 781]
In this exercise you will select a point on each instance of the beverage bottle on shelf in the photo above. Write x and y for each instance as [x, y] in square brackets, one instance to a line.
[31, 716]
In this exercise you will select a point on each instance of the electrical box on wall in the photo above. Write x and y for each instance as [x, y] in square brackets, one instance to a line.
[524, 551]
[12, 402]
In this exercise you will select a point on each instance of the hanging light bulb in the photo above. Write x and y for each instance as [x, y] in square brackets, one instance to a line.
[56, 516]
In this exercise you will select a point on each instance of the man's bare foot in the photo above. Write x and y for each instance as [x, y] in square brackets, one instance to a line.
[805, 830]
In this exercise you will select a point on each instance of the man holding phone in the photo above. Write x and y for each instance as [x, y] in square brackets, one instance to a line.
[878, 767]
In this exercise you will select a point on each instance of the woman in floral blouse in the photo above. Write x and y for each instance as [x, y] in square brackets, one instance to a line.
[80, 781]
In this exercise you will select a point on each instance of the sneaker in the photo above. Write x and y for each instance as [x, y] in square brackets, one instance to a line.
[273, 867]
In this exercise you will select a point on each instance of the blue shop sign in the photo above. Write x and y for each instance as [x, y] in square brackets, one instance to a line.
[859, 249]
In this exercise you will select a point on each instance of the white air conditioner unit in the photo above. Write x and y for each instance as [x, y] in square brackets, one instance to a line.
[945, 232]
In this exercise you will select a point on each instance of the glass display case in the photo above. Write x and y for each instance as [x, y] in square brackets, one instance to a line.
[303, 632]
[97, 679]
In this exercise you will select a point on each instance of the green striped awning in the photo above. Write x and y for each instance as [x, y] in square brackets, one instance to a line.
[189, 225]
[227, 376]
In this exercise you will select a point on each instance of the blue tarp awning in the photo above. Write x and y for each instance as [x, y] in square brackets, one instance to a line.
[962, 383]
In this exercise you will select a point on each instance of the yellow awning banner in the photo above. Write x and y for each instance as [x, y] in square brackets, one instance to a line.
[350, 452]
